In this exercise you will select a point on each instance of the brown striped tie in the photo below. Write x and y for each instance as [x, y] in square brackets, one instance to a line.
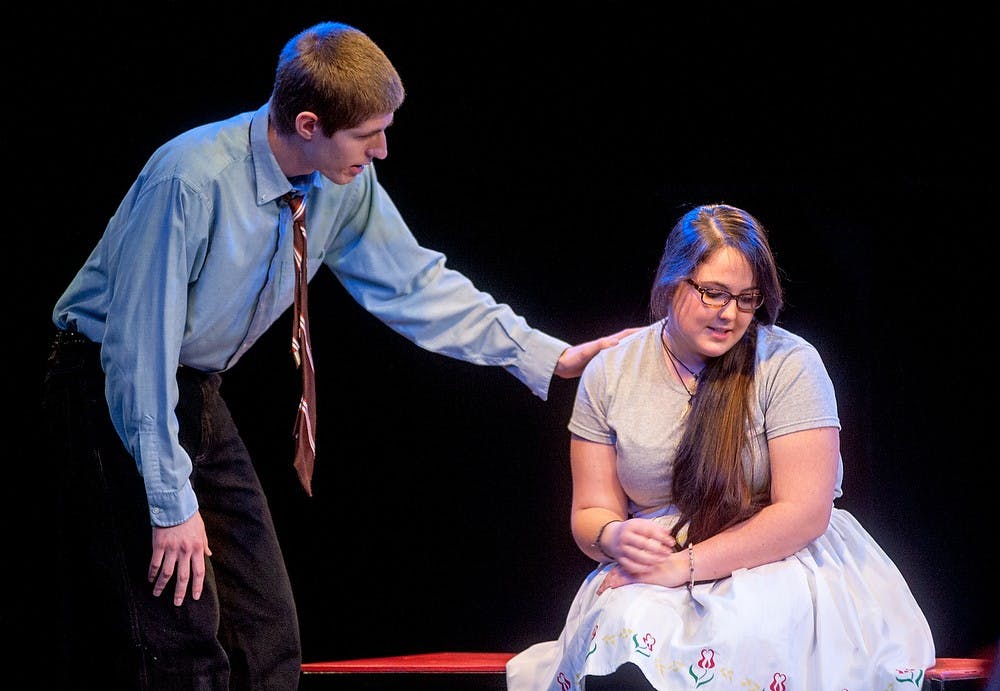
[305, 420]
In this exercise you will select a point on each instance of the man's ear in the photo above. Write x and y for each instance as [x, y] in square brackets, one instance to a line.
[307, 124]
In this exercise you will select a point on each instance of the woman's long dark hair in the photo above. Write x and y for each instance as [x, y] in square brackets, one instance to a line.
[710, 483]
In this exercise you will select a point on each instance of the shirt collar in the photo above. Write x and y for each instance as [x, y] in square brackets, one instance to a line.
[271, 182]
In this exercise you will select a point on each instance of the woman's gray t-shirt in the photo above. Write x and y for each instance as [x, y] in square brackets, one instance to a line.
[628, 398]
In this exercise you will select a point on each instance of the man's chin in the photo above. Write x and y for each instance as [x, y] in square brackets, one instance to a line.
[343, 177]
[339, 178]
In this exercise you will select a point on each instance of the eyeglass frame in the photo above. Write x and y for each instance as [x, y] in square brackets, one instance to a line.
[729, 297]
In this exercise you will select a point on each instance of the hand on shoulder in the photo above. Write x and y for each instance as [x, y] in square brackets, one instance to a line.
[575, 358]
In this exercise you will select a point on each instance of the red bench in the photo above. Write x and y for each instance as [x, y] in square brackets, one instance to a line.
[948, 673]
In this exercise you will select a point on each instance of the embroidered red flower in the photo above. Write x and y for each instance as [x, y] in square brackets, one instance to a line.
[707, 660]
[646, 646]
[705, 663]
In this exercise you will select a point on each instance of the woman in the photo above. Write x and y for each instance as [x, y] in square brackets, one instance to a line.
[705, 458]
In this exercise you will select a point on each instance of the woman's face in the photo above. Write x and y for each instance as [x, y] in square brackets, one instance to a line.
[699, 331]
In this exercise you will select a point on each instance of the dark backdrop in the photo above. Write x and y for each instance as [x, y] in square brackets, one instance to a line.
[548, 158]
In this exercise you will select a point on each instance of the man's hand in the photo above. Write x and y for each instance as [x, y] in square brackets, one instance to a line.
[575, 358]
[180, 550]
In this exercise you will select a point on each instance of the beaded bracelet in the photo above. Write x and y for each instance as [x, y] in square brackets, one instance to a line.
[690, 565]
[597, 540]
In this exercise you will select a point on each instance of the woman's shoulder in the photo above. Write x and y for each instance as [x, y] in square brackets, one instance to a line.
[629, 351]
[776, 337]
[775, 343]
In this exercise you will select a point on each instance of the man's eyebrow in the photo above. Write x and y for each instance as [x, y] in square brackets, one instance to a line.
[377, 129]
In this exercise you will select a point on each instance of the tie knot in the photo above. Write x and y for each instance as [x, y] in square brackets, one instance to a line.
[296, 202]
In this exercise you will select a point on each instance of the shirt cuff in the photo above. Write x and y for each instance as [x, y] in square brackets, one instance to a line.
[167, 509]
[537, 363]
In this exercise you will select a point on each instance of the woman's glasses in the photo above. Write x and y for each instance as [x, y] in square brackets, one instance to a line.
[713, 297]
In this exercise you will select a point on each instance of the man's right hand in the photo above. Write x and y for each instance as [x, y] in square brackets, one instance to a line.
[180, 551]
[572, 360]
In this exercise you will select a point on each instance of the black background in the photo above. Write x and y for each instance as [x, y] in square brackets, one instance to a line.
[548, 157]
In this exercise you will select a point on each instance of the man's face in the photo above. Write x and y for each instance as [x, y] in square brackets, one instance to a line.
[344, 156]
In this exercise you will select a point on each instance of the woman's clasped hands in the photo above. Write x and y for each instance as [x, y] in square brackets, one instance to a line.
[644, 552]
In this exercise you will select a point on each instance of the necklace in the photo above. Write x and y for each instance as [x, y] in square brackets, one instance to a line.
[674, 360]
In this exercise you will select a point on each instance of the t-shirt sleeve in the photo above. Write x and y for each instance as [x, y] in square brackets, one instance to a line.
[590, 419]
[798, 393]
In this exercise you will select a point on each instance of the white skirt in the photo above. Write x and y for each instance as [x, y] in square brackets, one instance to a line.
[836, 615]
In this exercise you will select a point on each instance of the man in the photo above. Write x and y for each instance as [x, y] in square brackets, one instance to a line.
[195, 265]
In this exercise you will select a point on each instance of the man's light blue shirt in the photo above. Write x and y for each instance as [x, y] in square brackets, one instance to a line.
[196, 264]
